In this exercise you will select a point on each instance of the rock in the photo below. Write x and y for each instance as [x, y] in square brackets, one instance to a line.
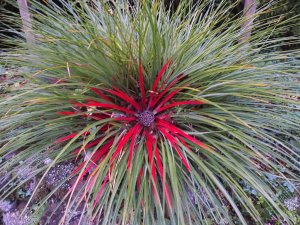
[6, 205]
[16, 218]
[57, 175]
[292, 204]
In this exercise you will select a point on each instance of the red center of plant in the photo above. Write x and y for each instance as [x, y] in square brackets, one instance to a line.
[146, 118]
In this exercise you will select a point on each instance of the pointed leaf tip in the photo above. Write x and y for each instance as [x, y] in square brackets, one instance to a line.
[70, 137]
[160, 74]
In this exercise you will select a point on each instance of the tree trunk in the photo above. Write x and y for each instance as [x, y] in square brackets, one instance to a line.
[26, 20]
[249, 12]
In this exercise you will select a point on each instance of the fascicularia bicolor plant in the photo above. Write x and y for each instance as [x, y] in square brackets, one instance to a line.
[167, 114]
[144, 118]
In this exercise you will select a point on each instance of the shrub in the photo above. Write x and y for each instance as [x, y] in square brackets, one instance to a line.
[167, 115]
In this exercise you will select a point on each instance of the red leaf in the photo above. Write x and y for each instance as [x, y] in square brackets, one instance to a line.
[150, 142]
[152, 104]
[89, 185]
[183, 142]
[69, 137]
[127, 119]
[159, 162]
[192, 102]
[95, 157]
[77, 103]
[171, 95]
[96, 116]
[173, 129]
[91, 144]
[131, 148]
[90, 166]
[66, 113]
[155, 84]
[162, 176]
[125, 97]
[142, 85]
[158, 78]
[101, 190]
[173, 141]
[124, 140]
[103, 96]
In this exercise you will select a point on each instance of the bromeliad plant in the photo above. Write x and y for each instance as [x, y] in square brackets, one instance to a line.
[147, 119]
[167, 114]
